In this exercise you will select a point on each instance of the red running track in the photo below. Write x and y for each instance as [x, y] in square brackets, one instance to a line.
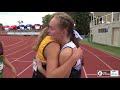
[95, 60]
[18, 50]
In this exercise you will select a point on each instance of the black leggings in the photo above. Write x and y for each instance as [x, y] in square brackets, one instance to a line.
[37, 74]
[74, 73]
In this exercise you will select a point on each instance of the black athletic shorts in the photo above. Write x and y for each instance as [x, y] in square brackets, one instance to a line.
[75, 73]
[37, 74]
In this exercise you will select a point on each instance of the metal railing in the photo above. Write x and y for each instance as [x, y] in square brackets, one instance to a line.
[109, 18]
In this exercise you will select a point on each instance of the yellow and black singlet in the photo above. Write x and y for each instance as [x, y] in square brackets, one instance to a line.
[42, 46]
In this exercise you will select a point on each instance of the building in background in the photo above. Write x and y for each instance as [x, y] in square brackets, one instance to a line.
[105, 28]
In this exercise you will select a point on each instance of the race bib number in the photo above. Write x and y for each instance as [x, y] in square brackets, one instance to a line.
[1, 66]
[34, 64]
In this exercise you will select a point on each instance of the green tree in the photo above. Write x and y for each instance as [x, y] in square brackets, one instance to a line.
[1, 26]
[46, 19]
[82, 21]
[20, 22]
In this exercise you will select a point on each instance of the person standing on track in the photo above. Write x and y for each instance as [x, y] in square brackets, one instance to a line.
[4, 61]
[55, 62]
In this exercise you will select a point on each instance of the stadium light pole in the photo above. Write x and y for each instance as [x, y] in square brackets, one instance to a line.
[92, 16]
[112, 18]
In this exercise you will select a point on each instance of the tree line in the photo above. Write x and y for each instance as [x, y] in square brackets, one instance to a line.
[82, 21]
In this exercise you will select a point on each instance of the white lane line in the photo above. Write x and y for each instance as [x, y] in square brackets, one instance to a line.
[23, 61]
[19, 50]
[13, 44]
[98, 58]
[21, 57]
[24, 70]
[21, 40]
[107, 53]
[16, 46]
[111, 55]
[84, 71]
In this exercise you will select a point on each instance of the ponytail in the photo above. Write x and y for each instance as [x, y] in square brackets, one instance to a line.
[75, 40]
[41, 36]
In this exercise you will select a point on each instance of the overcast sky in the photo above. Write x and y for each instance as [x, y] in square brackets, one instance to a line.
[11, 18]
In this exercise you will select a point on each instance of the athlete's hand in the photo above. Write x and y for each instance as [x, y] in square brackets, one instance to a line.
[77, 53]
[38, 62]
[14, 71]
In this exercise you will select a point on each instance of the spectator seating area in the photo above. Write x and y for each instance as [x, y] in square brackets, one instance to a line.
[23, 28]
